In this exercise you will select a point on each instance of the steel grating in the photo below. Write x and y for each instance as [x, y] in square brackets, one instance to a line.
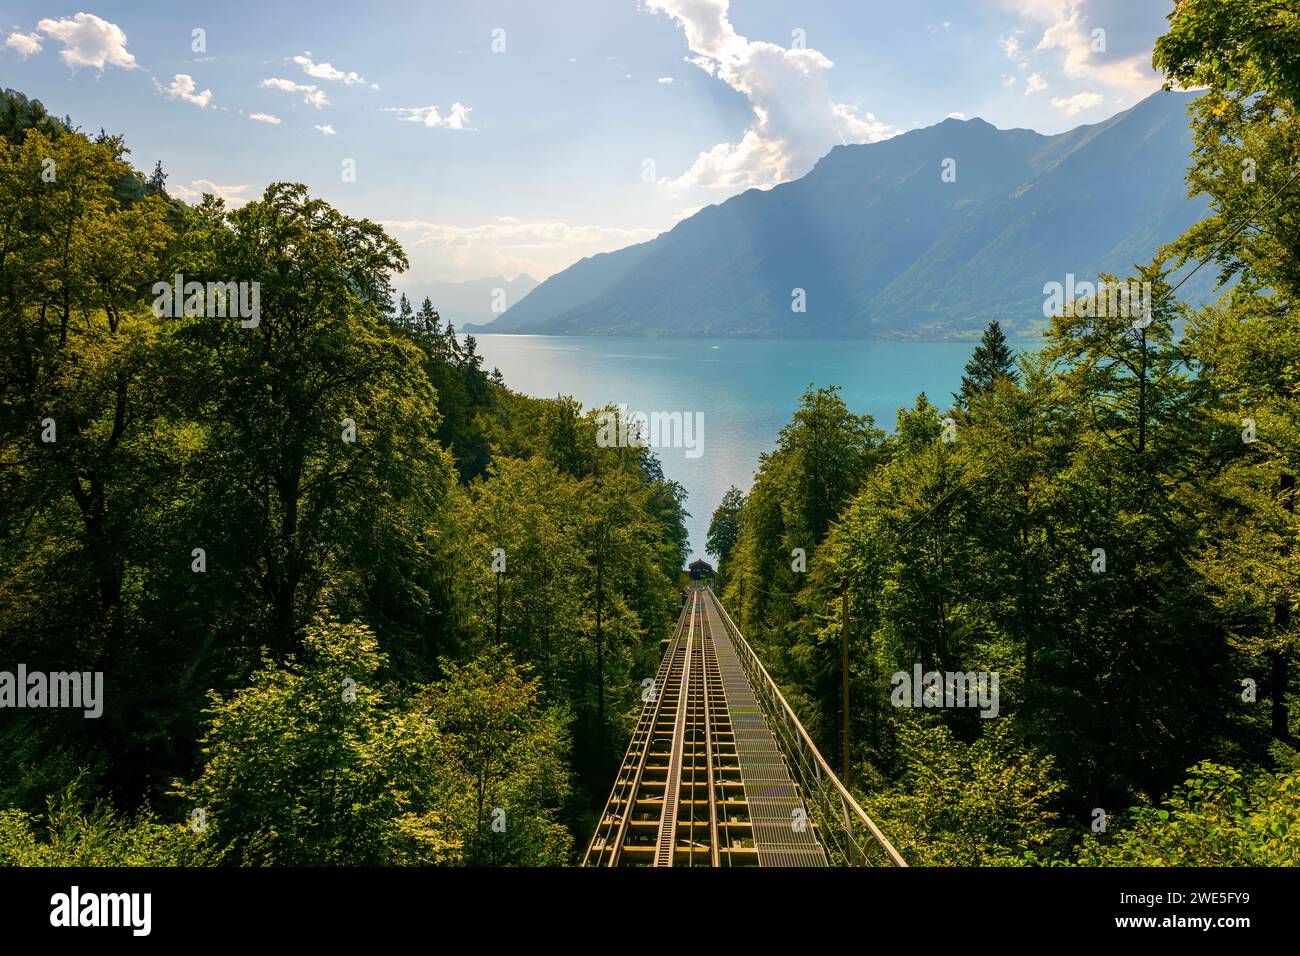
[703, 782]
[783, 831]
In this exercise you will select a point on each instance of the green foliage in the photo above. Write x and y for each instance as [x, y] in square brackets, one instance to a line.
[505, 757]
[317, 762]
[69, 835]
[592, 542]
[18, 114]
[532, 512]
[337, 460]
[299, 773]
[281, 394]
[466, 398]
[1240, 45]
[987, 803]
[724, 528]
[1217, 817]
[991, 360]
[829, 448]
[822, 457]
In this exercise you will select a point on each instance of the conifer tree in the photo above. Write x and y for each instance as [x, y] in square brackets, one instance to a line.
[991, 360]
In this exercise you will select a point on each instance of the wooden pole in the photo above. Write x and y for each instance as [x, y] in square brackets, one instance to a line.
[741, 615]
[844, 669]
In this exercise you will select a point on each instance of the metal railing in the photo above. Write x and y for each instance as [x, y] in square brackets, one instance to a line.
[851, 837]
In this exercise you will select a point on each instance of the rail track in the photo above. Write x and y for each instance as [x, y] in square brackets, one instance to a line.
[706, 780]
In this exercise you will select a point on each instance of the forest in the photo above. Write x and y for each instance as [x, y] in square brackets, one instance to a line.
[354, 601]
[1107, 523]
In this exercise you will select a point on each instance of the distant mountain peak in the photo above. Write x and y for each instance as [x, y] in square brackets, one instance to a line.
[880, 244]
[471, 301]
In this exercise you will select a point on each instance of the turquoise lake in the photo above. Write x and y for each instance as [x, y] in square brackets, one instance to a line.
[746, 389]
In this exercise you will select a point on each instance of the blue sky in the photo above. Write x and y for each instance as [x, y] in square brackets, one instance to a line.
[494, 138]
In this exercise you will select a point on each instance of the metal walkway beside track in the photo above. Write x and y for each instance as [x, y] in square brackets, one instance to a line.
[708, 781]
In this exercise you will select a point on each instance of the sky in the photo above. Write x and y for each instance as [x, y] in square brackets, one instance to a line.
[499, 138]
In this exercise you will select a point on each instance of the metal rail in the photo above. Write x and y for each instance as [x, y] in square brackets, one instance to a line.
[719, 772]
[673, 782]
[612, 830]
[853, 837]
[679, 798]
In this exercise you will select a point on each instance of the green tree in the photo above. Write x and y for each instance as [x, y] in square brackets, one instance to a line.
[1239, 45]
[988, 803]
[992, 360]
[319, 416]
[822, 457]
[525, 516]
[507, 755]
[18, 114]
[724, 527]
[157, 182]
[829, 448]
[1217, 817]
[1246, 137]
[316, 763]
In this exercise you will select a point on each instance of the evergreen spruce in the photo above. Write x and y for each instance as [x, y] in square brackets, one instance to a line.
[991, 361]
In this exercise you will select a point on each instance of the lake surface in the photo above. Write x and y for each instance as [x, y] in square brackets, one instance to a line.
[745, 389]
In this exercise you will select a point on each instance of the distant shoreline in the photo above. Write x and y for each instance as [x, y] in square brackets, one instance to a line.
[481, 331]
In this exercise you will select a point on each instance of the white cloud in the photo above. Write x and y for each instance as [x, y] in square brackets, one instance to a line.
[1035, 84]
[265, 118]
[325, 71]
[311, 95]
[233, 195]
[795, 119]
[458, 118]
[1008, 80]
[89, 41]
[444, 252]
[1010, 46]
[25, 43]
[183, 87]
[1078, 102]
[325, 128]
[665, 81]
[1068, 29]
[958, 116]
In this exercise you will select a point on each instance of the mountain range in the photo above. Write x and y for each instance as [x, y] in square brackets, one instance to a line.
[928, 234]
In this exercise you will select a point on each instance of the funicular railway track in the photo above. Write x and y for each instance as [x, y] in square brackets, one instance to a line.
[704, 781]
